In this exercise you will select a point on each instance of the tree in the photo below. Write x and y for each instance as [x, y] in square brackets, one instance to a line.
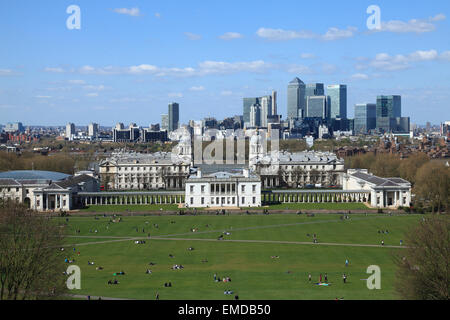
[408, 167]
[31, 262]
[433, 185]
[424, 266]
[297, 175]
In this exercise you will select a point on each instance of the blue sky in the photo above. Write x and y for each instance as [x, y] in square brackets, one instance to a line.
[131, 58]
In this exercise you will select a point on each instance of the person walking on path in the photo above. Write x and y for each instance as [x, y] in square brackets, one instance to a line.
[309, 277]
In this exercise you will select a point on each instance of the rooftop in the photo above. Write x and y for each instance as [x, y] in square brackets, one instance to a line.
[33, 175]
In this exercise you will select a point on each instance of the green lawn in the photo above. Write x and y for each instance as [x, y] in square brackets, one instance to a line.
[131, 208]
[254, 274]
[319, 206]
[174, 207]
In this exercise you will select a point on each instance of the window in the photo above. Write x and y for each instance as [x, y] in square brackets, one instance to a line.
[254, 188]
[254, 200]
[234, 200]
[192, 200]
[203, 200]
[203, 190]
[243, 188]
[243, 200]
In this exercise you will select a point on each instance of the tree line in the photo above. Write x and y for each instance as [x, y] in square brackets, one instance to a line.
[430, 179]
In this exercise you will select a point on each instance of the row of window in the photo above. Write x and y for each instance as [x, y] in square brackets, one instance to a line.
[222, 200]
[153, 168]
[222, 188]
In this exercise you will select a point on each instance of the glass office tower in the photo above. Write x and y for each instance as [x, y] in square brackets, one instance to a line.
[174, 116]
[296, 99]
[365, 117]
[338, 101]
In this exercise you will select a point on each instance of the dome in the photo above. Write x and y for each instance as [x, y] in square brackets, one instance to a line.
[33, 175]
[256, 139]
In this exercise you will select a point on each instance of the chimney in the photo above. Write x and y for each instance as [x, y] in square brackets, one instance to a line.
[199, 173]
[246, 173]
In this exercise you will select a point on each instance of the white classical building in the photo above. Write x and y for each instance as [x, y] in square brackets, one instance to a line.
[44, 190]
[277, 168]
[384, 192]
[232, 187]
[137, 171]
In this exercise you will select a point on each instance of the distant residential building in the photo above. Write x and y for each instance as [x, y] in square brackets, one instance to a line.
[296, 99]
[174, 116]
[93, 129]
[338, 101]
[70, 131]
[16, 127]
[365, 118]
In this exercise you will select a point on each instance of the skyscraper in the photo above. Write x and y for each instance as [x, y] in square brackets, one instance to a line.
[266, 110]
[314, 89]
[316, 107]
[388, 109]
[255, 115]
[274, 103]
[365, 117]
[248, 102]
[296, 99]
[389, 106]
[174, 116]
[164, 122]
[338, 101]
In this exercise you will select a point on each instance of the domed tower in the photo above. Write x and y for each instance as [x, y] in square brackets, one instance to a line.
[256, 149]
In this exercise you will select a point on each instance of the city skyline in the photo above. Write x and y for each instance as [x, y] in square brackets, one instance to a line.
[127, 65]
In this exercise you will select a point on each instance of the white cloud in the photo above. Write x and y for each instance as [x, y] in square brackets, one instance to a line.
[192, 36]
[76, 82]
[308, 56]
[280, 34]
[95, 88]
[199, 88]
[175, 95]
[445, 55]
[130, 12]
[8, 72]
[226, 93]
[335, 33]
[203, 69]
[386, 62]
[92, 94]
[54, 70]
[158, 15]
[359, 76]
[231, 36]
[413, 25]
[299, 69]
[283, 35]
[43, 97]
